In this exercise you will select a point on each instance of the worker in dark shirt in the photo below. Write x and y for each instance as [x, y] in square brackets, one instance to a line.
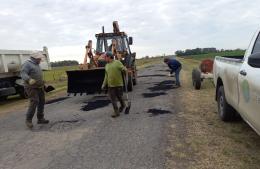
[175, 66]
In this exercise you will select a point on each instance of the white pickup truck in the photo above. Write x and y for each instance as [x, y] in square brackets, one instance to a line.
[10, 64]
[237, 82]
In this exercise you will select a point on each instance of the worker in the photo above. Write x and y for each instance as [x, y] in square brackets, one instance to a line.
[175, 66]
[114, 82]
[32, 75]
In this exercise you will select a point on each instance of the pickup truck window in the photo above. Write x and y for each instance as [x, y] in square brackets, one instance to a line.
[257, 45]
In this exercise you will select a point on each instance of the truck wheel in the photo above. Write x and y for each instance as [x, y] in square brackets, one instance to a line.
[196, 79]
[3, 98]
[22, 93]
[226, 112]
[130, 83]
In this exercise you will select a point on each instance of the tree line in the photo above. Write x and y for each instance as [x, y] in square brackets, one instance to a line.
[198, 51]
[64, 63]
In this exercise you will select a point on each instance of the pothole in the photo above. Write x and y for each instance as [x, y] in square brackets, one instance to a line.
[65, 125]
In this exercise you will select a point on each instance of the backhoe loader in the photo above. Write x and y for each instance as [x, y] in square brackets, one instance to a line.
[88, 79]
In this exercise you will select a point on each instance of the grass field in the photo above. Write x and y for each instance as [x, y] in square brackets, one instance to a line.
[57, 77]
[212, 55]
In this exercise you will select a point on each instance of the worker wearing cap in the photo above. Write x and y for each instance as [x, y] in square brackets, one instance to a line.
[32, 75]
[114, 81]
[175, 66]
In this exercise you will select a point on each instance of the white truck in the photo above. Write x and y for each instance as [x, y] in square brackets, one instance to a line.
[10, 64]
[237, 82]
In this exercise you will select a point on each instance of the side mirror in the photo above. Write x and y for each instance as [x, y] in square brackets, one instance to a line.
[130, 40]
[254, 60]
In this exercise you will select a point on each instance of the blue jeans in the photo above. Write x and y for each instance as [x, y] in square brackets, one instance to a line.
[177, 76]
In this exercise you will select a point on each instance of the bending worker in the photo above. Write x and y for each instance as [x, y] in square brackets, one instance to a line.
[175, 66]
[32, 75]
[114, 81]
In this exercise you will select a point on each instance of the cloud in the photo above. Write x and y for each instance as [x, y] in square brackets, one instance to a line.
[158, 27]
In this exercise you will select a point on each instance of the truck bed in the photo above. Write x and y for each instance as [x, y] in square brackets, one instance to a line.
[235, 58]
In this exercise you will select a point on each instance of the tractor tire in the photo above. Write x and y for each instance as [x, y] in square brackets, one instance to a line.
[130, 84]
[196, 79]
[225, 111]
[135, 78]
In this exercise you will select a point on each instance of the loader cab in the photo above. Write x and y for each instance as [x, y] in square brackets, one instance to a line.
[106, 40]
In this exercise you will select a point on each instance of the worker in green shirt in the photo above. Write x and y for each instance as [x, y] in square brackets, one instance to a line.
[114, 81]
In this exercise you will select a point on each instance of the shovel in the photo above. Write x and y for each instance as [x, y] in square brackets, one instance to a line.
[128, 102]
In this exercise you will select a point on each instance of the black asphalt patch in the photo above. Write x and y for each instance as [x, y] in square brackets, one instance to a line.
[97, 97]
[148, 95]
[164, 86]
[92, 105]
[163, 70]
[56, 100]
[156, 75]
[156, 112]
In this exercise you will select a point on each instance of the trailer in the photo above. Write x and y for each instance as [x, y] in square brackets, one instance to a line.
[203, 72]
[10, 66]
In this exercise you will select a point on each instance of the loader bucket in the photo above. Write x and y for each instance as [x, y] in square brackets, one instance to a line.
[85, 81]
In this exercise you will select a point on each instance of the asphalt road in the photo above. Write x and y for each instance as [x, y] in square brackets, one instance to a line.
[82, 134]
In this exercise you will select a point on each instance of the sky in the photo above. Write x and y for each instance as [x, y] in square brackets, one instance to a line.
[157, 26]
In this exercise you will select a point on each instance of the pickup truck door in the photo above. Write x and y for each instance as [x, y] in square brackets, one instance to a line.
[249, 90]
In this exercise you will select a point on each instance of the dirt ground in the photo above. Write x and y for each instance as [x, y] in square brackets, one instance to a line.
[200, 139]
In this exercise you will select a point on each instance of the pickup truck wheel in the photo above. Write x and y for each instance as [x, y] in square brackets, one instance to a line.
[226, 112]
[196, 79]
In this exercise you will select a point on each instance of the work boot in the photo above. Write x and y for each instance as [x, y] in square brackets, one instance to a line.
[29, 124]
[121, 108]
[115, 114]
[43, 121]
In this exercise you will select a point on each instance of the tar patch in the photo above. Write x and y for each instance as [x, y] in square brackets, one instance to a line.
[92, 105]
[156, 112]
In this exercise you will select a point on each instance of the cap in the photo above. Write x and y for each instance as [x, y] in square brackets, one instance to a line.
[37, 55]
[110, 54]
